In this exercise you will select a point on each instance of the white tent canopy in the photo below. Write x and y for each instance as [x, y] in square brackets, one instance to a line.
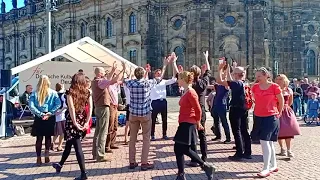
[85, 50]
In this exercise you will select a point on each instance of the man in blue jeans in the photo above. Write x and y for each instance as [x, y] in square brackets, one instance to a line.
[219, 112]
[297, 95]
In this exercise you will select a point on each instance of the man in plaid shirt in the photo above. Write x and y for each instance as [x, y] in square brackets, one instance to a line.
[140, 113]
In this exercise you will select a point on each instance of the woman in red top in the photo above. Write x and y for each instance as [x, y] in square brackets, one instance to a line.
[268, 107]
[189, 122]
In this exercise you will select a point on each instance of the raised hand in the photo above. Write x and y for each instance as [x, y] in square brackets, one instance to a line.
[123, 66]
[206, 54]
[148, 68]
[114, 66]
[166, 61]
[180, 68]
[174, 57]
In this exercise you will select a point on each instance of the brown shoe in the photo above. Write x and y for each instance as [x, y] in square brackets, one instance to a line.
[109, 151]
[104, 159]
[39, 162]
[114, 147]
[147, 166]
[46, 158]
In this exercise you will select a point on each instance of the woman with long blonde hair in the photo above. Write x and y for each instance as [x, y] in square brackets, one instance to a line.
[289, 126]
[43, 103]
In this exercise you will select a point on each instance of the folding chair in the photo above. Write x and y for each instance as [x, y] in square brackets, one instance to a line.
[24, 108]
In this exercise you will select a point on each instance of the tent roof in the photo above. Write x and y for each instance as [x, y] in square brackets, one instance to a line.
[85, 50]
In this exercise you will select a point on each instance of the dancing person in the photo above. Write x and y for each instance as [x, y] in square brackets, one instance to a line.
[140, 114]
[219, 111]
[101, 99]
[60, 118]
[158, 97]
[78, 97]
[200, 84]
[297, 95]
[289, 126]
[189, 121]
[113, 121]
[238, 113]
[267, 118]
[43, 103]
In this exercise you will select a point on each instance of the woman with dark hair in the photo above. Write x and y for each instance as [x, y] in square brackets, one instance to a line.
[77, 121]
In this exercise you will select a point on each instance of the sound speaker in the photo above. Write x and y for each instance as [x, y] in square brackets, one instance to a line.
[6, 78]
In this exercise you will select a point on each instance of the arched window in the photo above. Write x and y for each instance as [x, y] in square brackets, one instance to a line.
[23, 43]
[40, 39]
[133, 56]
[8, 45]
[311, 63]
[180, 53]
[109, 28]
[60, 36]
[83, 30]
[132, 23]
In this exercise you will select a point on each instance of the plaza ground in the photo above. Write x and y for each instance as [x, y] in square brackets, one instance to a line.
[17, 158]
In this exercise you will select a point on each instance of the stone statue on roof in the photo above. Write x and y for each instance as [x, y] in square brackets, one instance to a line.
[3, 7]
[14, 4]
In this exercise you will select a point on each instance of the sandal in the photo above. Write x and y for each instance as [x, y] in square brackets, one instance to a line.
[60, 149]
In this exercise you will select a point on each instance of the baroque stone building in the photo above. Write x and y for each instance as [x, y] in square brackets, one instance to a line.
[280, 34]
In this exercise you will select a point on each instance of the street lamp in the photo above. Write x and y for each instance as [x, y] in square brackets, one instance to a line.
[50, 6]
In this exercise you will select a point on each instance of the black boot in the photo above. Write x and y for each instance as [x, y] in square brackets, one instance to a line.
[82, 177]
[209, 170]
[181, 177]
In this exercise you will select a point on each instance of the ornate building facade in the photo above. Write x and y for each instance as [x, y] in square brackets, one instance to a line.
[280, 34]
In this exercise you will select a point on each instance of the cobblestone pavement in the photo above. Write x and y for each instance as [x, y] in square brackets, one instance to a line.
[17, 158]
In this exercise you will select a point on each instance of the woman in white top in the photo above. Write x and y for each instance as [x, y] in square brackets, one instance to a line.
[60, 119]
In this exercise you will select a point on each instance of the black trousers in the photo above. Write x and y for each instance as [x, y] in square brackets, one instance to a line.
[202, 137]
[76, 143]
[159, 106]
[180, 150]
[238, 120]
[39, 144]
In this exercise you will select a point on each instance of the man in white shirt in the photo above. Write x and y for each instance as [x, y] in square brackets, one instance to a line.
[158, 97]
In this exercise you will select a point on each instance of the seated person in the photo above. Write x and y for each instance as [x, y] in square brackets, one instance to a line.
[24, 99]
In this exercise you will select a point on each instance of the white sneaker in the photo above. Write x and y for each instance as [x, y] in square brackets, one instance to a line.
[290, 154]
[282, 153]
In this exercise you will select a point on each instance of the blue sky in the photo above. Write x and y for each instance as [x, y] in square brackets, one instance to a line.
[9, 4]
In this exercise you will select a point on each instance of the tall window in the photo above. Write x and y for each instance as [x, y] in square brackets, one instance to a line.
[109, 28]
[40, 39]
[133, 56]
[311, 63]
[60, 34]
[23, 43]
[180, 53]
[132, 23]
[8, 46]
[83, 30]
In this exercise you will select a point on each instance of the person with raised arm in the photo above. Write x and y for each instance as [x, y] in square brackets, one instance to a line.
[238, 113]
[158, 96]
[101, 99]
[140, 114]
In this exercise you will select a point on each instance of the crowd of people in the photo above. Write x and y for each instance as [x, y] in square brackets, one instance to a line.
[67, 114]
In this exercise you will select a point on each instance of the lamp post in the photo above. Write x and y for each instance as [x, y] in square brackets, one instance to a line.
[50, 6]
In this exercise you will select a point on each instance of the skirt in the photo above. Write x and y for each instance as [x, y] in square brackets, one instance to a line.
[186, 134]
[43, 127]
[267, 128]
[289, 125]
[59, 128]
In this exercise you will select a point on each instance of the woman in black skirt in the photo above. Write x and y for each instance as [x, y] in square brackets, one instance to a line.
[189, 122]
[43, 103]
[77, 121]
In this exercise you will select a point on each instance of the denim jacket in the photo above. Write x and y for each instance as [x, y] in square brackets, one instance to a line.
[51, 104]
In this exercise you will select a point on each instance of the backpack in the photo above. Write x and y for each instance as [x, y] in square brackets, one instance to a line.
[248, 100]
